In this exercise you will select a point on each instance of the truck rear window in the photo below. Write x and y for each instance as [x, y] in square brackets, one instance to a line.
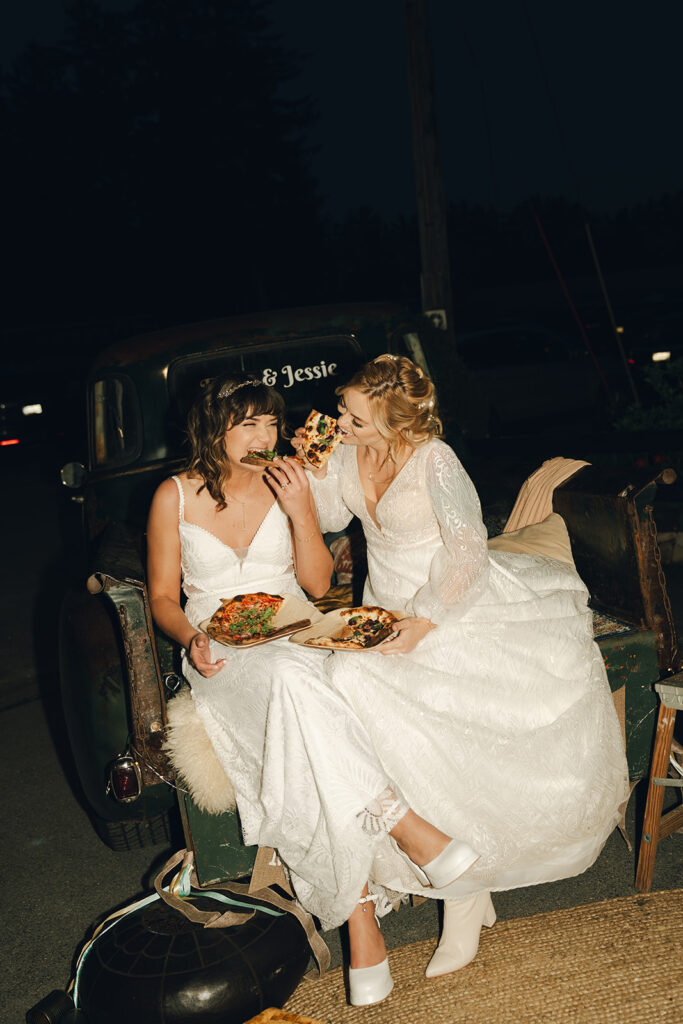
[305, 372]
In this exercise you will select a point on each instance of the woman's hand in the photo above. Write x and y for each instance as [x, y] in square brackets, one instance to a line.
[288, 482]
[199, 653]
[297, 443]
[407, 635]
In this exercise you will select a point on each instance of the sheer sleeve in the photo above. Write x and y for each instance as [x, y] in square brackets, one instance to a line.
[333, 513]
[459, 569]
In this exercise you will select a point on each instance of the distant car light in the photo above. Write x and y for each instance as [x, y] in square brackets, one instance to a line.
[660, 357]
[32, 410]
[8, 441]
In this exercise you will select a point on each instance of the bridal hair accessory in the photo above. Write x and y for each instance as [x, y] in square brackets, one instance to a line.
[229, 388]
[425, 405]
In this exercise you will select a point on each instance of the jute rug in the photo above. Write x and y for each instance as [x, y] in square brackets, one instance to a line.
[614, 962]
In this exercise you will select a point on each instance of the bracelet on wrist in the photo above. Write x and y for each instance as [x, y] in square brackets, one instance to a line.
[305, 540]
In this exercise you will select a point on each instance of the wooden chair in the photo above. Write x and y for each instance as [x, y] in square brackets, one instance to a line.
[614, 540]
[656, 826]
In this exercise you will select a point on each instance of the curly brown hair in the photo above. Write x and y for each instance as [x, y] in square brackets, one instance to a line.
[402, 401]
[223, 403]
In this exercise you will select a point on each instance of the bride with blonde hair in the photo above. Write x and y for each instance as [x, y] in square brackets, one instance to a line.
[489, 708]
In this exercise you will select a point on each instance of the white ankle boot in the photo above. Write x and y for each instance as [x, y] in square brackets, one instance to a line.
[462, 924]
[453, 861]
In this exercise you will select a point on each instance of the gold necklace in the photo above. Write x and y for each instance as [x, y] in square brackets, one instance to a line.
[374, 476]
[232, 497]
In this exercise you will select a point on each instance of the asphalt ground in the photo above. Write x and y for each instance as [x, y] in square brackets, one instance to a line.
[59, 879]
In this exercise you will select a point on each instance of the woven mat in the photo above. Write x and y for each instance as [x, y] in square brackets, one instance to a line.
[614, 962]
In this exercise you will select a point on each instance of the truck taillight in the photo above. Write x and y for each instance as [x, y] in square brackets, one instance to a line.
[125, 780]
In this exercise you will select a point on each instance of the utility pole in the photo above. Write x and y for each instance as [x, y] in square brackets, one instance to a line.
[435, 276]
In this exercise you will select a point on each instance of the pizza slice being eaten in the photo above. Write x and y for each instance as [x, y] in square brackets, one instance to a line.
[322, 434]
[265, 457]
[244, 617]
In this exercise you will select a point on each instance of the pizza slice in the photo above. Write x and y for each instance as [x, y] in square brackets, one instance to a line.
[321, 437]
[364, 628]
[369, 625]
[264, 457]
[244, 617]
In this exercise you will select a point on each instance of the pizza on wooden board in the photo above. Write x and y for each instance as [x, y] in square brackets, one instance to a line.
[244, 617]
[321, 437]
[364, 627]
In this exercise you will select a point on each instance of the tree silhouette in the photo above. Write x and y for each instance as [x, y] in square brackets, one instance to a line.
[151, 159]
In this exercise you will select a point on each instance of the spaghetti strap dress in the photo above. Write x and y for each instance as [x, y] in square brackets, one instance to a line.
[301, 762]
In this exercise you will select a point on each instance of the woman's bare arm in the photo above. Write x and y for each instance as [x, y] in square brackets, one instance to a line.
[163, 579]
[312, 559]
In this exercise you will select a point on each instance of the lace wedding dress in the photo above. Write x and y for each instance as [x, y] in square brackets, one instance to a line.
[499, 727]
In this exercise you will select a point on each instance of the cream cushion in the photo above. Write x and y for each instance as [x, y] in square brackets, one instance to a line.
[549, 538]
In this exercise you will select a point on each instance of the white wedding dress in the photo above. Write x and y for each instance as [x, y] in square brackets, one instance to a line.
[301, 763]
[499, 727]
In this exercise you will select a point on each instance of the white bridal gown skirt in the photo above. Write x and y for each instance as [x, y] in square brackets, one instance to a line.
[500, 729]
[302, 766]
[501, 733]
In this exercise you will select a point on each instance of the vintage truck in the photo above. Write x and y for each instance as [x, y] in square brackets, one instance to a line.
[118, 672]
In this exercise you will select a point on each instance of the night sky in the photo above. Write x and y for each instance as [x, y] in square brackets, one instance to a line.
[580, 100]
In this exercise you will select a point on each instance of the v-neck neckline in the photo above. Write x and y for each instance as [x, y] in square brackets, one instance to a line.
[384, 494]
[242, 547]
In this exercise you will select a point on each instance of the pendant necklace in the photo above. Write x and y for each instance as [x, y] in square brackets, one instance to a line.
[242, 503]
[373, 476]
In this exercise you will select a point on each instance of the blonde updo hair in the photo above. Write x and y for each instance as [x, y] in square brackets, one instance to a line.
[402, 401]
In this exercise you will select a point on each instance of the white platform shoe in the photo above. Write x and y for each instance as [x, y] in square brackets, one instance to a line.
[462, 924]
[369, 985]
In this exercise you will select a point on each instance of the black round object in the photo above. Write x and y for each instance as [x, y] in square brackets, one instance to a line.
[53, 1009]
[157, 967]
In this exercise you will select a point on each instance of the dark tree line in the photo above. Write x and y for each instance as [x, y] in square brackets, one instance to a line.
[150, 159]
[152, 168]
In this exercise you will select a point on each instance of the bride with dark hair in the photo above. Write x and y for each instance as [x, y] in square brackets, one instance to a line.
[307, 779]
